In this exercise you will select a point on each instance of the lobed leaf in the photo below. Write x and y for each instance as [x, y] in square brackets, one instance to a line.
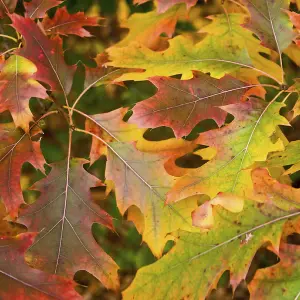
[17, 86]
[182, 104]
[226, 48]
[19, 281]
[241, 143]
[16, 148]
[141, 180]
[46, 54]
[194, 265]
[63, 23]
[281, 280]
[63, 216]
[270, 23]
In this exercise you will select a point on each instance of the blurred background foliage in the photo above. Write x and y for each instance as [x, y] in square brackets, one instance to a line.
[125, 245]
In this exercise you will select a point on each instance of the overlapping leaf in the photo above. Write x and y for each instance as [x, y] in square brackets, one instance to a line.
[46, 54]
[110, 126]
[270, 23]
[141, 180]
[164, 5]
[147, 28]
[194, 265]
[181, 104]
[37, 8]
[226, 48]
[16, 148]
[290, 156]
[17, 86]
[63, 215]
[63, 23]
[239, 144]
[267, 189]
[280, 281]
[19, 281]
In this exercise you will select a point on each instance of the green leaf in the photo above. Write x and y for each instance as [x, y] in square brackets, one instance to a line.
[194, 265]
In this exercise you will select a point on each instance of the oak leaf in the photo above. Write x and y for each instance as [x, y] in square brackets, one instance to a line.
[241, 143]
[16, 149]
[195, 264]
[17, 86]
[63, 216]
[19, 281]
[141, 180]
[181, 104]
[147, 28]
[270, 23]
[63, 23]
[37, 8]
[110, 127]
[226, 48]
[46, 54]
[280, 281]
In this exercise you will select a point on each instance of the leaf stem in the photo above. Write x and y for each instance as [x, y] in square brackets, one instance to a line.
[7, 51]
[8, 37]
[87, 88]
[94, 121]
[287, 96]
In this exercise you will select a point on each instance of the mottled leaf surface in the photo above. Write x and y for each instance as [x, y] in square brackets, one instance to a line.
[181, 104]
[141, 180]
[270, 22]
[194, 265]
[16, 148]
[46, 54]
[280, 281]
[226, 48]
[63, 216]
[17, 86]
[241, 143]
[19, 281]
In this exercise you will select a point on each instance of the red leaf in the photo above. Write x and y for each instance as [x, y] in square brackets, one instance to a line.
[181, 104]
[46, 54]
[19, 281]
[64, 215]
[64, 23]
[37, 8]
[16, 148]
[17, 86]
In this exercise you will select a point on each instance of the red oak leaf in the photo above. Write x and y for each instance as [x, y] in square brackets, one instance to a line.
[17, 86]
[270, 23]
[19, 281]
[37, 8]
[64, 215]
[46, 54]
[181, 104]
[63, 23]
[16, 148]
